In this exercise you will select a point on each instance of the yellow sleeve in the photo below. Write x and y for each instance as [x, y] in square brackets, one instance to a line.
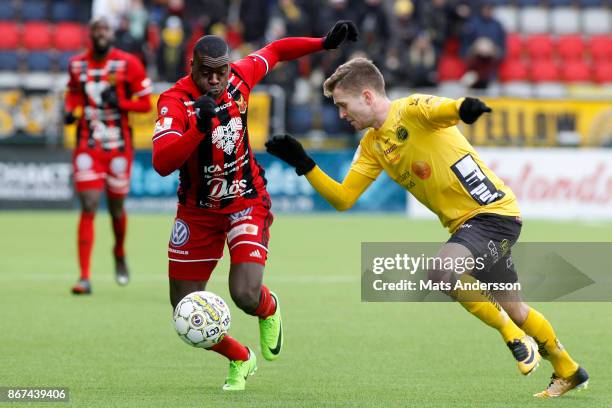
[431, 111]
[364, 161]
[340, 196]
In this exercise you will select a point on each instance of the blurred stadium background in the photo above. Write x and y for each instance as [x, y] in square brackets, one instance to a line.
[544, 66]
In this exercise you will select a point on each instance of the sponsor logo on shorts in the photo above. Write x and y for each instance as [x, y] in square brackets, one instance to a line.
[465, 226]
[180, 233]
[256, 254]
[163, 110]
[178, 251]
[493, 249]
[240, 215]
[242, 229]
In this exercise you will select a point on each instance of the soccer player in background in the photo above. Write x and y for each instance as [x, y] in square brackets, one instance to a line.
[202, 131]
[105, 84]
[416, 141]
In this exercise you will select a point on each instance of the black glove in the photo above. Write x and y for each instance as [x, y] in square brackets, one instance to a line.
[289, 150]
[471, 109]
[204, 109]
[69, 118]
[341, 31]
[109, 97]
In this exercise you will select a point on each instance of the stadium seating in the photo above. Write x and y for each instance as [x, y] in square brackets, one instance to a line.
[299, 119]
[33, 10]
[544, 70]
[514, 46]
[36, 36]
[570, 47]
[8, 11]
[575, 71]
[513, 70]
[68, 36]
[63, 60]
[39, 61]
[596, 21]
[9, 39]
[9, 60]
[603, 72]
[450, 68]
[539, 46]
[534, 20]
[600, 47]
[508, 17]
[63, 11]
[565, 20]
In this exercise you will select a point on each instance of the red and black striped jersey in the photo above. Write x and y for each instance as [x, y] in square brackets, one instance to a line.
[221, 174]
[103, 126]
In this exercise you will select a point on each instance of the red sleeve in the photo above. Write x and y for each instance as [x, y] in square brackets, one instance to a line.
[140, 87]
[74, 98]
[172, 145]
[256, 65]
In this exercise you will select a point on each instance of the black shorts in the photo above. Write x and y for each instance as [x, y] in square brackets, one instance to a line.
[490, 237]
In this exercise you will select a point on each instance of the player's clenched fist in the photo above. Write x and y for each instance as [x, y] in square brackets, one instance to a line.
[341, 31]
[471, 109]
[289, 150]
[204, 109]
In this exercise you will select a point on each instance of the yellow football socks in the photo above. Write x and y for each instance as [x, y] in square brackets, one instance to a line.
[483, 305]
[541, 330]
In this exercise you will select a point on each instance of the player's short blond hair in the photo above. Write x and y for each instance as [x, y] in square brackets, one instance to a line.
[355, 75]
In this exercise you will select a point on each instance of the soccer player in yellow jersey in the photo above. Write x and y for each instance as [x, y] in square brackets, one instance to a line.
[416, 141]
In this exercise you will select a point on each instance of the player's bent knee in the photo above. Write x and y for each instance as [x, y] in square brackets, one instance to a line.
[246, 298]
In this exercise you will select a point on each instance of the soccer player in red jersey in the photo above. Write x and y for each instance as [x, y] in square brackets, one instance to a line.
[202, 131]
[105, 84]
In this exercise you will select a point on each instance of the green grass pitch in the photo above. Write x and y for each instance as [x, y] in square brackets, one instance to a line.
[118, 347]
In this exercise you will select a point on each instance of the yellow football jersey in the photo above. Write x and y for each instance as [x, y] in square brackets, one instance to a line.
[422, 150]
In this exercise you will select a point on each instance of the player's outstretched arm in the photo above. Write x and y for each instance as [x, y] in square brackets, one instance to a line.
[340, 196]
[256, 65]
[291, 48]
[441, 112]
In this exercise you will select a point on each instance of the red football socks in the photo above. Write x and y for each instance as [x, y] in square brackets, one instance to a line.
[119, 228]
[231, 348]
[85, 243]
[267, 305]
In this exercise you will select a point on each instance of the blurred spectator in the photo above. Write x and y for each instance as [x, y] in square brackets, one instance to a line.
[112, 10]
[404, 29]
[483, 46]
[374, 30]
[423, 62]
[254, 15]
[435, 17]
[296, 21]
[328, 13]
[171, 54]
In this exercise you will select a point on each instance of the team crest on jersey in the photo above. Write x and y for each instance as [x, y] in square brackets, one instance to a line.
[242, 105]
[225, 137]
[180, 233]
[401, 133]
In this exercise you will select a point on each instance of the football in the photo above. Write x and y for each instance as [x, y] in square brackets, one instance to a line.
[202, 319]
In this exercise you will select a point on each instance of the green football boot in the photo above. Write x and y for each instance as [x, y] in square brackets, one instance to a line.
[271, 333]
[239, 371]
